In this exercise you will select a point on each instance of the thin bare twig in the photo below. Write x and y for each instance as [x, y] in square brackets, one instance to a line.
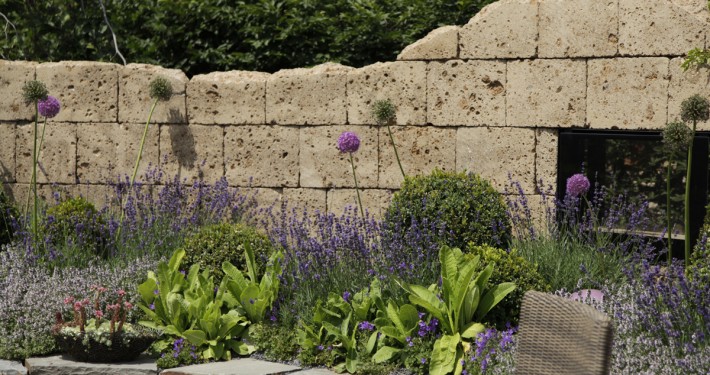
[115, 43]
[7, 23]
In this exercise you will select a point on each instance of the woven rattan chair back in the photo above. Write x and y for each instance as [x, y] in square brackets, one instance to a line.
[560, 336]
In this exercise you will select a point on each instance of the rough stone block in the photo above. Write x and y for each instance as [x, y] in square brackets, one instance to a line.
[658, 28]
[684, 84]
[13, 75]
[98, 194]
[546, 93]
[312, 96]
[7, 153]
[193, 152]
[440, 44]
[466, 93]
[61, 365]
[21, 194]
[402, 82]
[88, 91]
[135, 101]
[240, 366]
[57, 159]
[236, 97]
[263, 197]
[108, 151]
[420, 149]
[578, 28]
[323, 165]
[12, 368]
[300, 199]
[374, 201]
[495, 153]
[546, 156]
[627, 93]
[504, 29]
[265, 155]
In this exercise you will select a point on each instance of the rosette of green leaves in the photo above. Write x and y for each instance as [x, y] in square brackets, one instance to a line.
[465, 300]
[397, 323]
[188, 306]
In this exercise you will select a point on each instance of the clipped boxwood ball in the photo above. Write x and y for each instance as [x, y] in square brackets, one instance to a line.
[509, 267]
[76, 222]
[472, 210]
[213, 244]
[8, 213]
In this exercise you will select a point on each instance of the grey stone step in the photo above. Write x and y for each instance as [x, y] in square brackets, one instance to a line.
[240, 366]
[64, 365]
[12, 368]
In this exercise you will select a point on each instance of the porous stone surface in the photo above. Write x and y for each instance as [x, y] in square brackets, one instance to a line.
[13, 75]
[57, 158]
[265, 155]
[466, 93]
[87, 91]
[99, 194]
[323, 165]
[241, 366]
[108, 151]
[135, 101]
[504, 29]
[546, 156]
[63, 365]
[300, 199]
[12, 368]
[439, 44]
[546, 92]
[374, 201]
[496, 153]
[264, 197]
[627, 93]
[312, 96]
[314, 371]
[236, 97]
[421, 150]
[192, 151]
[578, 28]
[684, 84]
[402, 82]
[658, 28]
[7, 152]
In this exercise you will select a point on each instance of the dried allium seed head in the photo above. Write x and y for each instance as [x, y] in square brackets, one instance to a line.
[383, 111]
[676, 137]
[161, 89]
[34, 91]
[695, 108]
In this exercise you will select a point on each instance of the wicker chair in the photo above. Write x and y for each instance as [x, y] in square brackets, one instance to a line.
[560, 336]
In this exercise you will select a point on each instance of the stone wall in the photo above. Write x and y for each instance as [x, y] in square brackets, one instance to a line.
[488, 97]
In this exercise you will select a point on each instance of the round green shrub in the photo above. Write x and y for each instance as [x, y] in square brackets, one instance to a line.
[472, 210]
[509, 267]
[8, 212]
[213, 244]
[76, 222]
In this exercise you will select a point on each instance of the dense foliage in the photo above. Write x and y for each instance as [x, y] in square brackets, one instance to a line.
[75, 222]
[211, 35]
[8, 214]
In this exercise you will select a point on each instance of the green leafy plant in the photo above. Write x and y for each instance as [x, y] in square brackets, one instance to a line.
[8, 213]
[276, 341]
[696, 57]
[460, 303]
[64, 218]
[398, 323]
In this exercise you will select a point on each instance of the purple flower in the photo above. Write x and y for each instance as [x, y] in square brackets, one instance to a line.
[48, 107]
[348, 142]
[366, 326]
[152, 306]
[346, 296]
[577, 185]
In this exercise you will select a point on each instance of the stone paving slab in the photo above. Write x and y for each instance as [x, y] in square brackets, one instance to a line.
[64, 365]
[240, 366]
[12, 368]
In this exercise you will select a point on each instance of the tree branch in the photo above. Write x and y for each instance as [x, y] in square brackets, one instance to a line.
[7, 23]
[115, 43]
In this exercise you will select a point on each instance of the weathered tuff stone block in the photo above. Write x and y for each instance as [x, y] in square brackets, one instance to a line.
[236, 97]
[13, 75]
[307, 96]
[60, 365]
[301, 199]
[135, 100]
[57, 159]
[440, 44]
[108, 151]
[402, 82]
[546, 156]
[625, 93]
[374, 201]
[684, 84]
[323, 165]
[658, 28]
[263, 197]
[466, 93]
[420, 149]
[100, 195]
[505, 29]
[578, 28]
[493, 153]
[7, 153]
[193, 151]
[264, 155]
[546, 93]
[88, 91]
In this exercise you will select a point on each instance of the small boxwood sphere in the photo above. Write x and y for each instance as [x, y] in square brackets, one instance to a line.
[8, 213]
[472, 210]
[76, 222]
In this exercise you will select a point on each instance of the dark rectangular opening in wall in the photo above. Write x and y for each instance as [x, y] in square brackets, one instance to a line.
[635, 164]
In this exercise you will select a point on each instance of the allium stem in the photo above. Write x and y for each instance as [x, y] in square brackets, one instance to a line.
[686, 214]
[669, 229]
[357, 189]
[35, 158]
[396, 154]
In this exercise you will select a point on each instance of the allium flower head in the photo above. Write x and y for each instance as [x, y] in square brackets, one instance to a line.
[49, 107]
[577, 185]
[676, 136]
[695, 108]
[34, 91]
[348, 142]
[161, 89]
[383, 111]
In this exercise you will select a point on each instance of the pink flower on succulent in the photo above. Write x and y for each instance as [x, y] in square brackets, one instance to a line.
[85, 302]
[121, 292]
[101, 289]
[69, 300]
[99, 314]
[48, 107]
[77, 305]
[128, 305]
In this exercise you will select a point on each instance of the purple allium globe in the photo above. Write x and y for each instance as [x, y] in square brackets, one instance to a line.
[49, 107]
[577, 185]
[348, 142]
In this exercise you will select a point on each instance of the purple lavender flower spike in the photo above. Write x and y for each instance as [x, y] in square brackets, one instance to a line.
[48, 107]
[577, 185]
[348, 142]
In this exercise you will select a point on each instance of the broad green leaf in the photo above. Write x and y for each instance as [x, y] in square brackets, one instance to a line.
[492, 297]
[251, 264]
[147, 289]
[371, 342]
[482, 278]
[472, 329]
[209, 327]
[443, 355]
[240, 347]
[385, 353]
[254, 307]
[392, 332]
[423, 297]
[409, 316]
[393, 315]
[195, 337]
[175, 260]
